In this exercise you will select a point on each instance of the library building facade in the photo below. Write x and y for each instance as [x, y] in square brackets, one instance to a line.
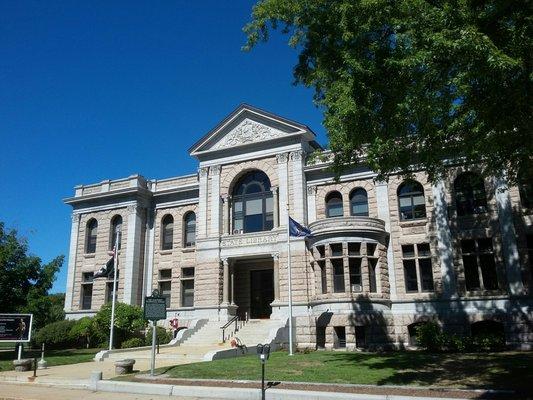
[383, 257]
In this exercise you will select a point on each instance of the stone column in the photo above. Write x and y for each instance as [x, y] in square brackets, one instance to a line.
[283, 187]
[298, 202]
[508, 233]
[133, 255]
[73, 250]
[311, 204]
[225, 287]
[275, 205]
[275, 257]
[226, 215]
[382, 197]
[214, 172]
[444, 240]
[201, 223]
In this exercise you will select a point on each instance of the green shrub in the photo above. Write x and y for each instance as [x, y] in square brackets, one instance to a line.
[133, 342]
[163, 336]
[129, 322]
[56, 335]
[83, 332]
[429, 336]
[488, 342]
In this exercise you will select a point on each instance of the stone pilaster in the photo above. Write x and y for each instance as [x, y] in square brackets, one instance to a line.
[72, 255]
[214, 172]
[297, 208]
[275, 204]
[444, 240]
[133, 255]
[509, 245]
[226, 215]
[382, 198]
[149, 254]
[311, 204]
[201, 223]
[226, 279]
[275, 257]
[283, 187]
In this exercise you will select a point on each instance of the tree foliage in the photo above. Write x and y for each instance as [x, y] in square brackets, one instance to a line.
[407, 84]
[129, 322]
[25, 281]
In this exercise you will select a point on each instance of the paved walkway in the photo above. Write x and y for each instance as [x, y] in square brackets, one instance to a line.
[9, 391]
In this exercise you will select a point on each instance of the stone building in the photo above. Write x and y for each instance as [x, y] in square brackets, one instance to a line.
[384, 256]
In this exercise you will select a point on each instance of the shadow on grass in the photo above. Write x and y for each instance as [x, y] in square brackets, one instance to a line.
[503, 371]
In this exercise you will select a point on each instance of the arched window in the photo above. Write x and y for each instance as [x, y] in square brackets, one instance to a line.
[116, 228]
[334, 205]
[167, 232]
[252, 203]
[411, 201]
[92, 230]
[525, 186]
[359, 202]
[470, 197]
[190, 229]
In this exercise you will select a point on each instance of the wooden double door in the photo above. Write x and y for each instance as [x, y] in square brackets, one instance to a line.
[261, 293]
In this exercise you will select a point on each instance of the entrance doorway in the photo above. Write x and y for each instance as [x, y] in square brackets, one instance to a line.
[261, 293]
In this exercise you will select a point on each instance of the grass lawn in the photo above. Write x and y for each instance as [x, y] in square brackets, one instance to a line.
[510, 370]
[53, 357]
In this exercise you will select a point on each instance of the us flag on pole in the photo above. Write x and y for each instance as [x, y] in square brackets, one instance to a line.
[106, 270]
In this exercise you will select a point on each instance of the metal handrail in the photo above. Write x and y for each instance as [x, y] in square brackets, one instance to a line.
[239, 323]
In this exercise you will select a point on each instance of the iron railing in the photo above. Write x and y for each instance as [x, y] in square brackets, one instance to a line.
[237, 323]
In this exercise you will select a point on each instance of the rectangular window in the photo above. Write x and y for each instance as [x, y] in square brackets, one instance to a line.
[86, 290]
[165, 284]
[321, 251]
[338, 275]
[187, 293]
[187, 287]
[336, 249]
[529, 240]
[340, 332]
[356, 284]
[323, 276]
[417, 268]
[372, 264]
[165, 290]
[479, 264]
[371, 249]
[360, 337]
[354, 249]
[109, 291]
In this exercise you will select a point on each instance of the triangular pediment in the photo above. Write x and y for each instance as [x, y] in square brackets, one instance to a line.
[246, 126]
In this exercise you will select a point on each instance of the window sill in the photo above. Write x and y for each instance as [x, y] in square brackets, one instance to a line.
[414, 222]
[190, 249]
[89, 255]
[165, 252]
[484, 293]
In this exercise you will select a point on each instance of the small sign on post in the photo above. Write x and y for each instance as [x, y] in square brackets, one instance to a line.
[155, 308]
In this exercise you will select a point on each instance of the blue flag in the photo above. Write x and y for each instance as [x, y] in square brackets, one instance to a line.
[295, 229]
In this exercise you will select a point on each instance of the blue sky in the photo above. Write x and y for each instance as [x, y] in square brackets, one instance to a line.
[104, 89]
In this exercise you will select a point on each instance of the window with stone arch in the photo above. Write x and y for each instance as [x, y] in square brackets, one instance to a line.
[189, 234]
[525, 187]
[359, 202]
[252, 203]
[92, 232]
[167, 232]
[470, 196]
[334, 207]
[115, 228]
[411, 201]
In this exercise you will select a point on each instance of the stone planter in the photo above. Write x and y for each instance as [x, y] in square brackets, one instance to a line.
[124, 366]
[23, 364]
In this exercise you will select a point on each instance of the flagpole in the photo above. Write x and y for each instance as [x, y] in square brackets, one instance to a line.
[115, 269]
[290, 279]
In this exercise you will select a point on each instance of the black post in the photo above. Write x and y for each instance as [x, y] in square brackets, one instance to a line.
[35, 367]
[262, 381]
[157, 345]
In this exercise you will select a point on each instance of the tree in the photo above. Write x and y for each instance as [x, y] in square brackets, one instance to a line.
[25, 281]
[407, 84]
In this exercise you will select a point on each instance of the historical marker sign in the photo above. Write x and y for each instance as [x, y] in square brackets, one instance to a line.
[155, 307]
[15, 327]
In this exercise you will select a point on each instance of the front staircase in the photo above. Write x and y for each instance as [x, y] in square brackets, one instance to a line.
[207, 341]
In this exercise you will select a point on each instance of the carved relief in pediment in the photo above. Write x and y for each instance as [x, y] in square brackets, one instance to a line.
[247, 131]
